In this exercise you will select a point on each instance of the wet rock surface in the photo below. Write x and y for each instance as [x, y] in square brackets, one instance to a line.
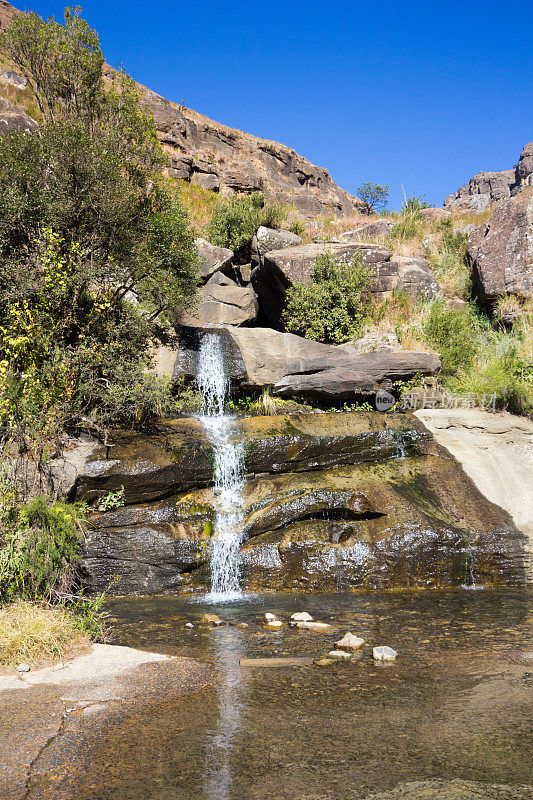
[337, 500]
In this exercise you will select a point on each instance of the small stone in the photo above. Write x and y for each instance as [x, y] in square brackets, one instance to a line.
[274, 623]
[339, 655]
[242, 625]
[212, 619]
[325, 662]
[270, 617]
[23, 668]
[384, 653]
[189, 625]
[314, 626]
[350, 642]
[302, 616]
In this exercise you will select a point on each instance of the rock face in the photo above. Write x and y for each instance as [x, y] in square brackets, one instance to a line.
[489, 187]
[501, 250]
[333, 501]
[280, 269]
[224, 159]
[482, 190]
[222, 302]
[13, 118]
[298, 367]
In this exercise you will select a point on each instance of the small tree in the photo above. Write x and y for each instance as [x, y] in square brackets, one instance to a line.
[331, 306]
[374, 196]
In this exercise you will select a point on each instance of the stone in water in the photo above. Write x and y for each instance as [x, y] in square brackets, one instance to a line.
[189, 625]
[302, 616]
[384, 653]
[274, 623]
[270, 617]
[350, 642]
[314, 626]
[212, 619]
[339, 655]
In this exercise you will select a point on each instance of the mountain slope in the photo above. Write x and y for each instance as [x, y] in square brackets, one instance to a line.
[223, 159]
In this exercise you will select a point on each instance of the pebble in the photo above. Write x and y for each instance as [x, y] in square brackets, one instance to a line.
[274, 623]
[339, 655]
[270, 617]
[23, 668]
[302, 616]
[350, 642]
[384, 653]
[189, 625]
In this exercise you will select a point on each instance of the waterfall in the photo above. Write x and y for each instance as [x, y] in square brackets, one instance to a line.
[228, 472]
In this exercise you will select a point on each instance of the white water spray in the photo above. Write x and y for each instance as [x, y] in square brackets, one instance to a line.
[228, 475]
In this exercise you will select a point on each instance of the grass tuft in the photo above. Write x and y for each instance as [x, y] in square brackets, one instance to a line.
[36, 635]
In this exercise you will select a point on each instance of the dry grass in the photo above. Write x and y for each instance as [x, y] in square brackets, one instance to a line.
[198, 201]
[37, 635]
[461, 218]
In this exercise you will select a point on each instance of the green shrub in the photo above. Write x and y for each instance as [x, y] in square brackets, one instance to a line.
[453, 333]
[235, 221]
[274, 215]
[331, 306]
[297, 227]
[450, 265]
[41, 549]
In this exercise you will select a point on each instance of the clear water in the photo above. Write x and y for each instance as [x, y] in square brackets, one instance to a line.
[228, 471]
[455, 706]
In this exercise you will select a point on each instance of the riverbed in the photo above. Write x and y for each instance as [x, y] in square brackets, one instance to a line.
[456, 705]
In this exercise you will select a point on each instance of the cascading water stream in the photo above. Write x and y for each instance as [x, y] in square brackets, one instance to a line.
[228, 470]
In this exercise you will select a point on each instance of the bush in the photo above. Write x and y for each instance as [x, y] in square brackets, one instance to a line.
[450, 265]
[42, 545]
[453, 333]
[235, 221]
[331, 306]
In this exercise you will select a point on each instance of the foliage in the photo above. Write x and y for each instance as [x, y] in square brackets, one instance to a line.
[93, 248]
[374, 195]
[331, 306]
[274, 215]
[449, 263]
[61, 63]
[235, 221]
[297, 227]
[34, 634]
[112, 500]
[41, 548]
[453, 332]
[413, 205]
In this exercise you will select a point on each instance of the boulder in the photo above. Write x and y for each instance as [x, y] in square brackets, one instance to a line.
[384, 653]
[13, 118]
[268, 239]
[295, 366]
[222, 302]
[435, 214]
[378, 229]
[501, 250]
[416, 278]
[370, 342]
[345, 378]
[212, 258]
[283, 268]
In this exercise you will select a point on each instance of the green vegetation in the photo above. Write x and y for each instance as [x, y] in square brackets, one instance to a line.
[410, 224]
[332, 305]
[96, 256]
[112, 500]
[374, 195]
[235, 221]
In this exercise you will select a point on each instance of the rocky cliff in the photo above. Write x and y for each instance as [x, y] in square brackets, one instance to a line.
[489, 187]
[223, 159]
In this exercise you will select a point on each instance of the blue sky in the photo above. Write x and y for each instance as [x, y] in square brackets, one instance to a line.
[418, 94]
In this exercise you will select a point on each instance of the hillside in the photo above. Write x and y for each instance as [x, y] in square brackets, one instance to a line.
[219, 158]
